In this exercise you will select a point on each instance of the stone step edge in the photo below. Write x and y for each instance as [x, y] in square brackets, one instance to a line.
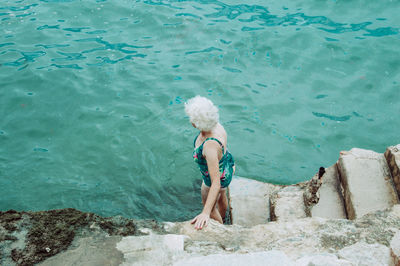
[388, 156]
[342, 182]
[394, 166]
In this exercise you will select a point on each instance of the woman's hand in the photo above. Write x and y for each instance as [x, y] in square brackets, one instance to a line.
[201, 220]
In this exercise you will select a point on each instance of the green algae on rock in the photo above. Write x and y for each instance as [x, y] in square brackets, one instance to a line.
[30, 237]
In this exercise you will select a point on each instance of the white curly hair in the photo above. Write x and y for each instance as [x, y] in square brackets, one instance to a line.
[202, 113]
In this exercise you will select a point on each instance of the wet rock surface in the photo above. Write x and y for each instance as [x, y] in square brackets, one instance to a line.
[27, 238]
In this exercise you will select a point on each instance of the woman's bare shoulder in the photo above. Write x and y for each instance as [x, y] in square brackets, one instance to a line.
[221, 134]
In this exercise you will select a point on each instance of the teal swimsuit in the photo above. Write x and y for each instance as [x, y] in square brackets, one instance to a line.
[225, 164]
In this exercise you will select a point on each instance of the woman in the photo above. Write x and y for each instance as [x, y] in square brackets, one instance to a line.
[215, 162]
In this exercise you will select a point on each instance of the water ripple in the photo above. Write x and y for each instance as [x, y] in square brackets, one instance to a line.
[214, 11]
[207, 50]
[45, 27]
[265, 18]
[233, 70]
[187, 15]
[112, 46]
[96, 32]
[107, 60]
[251, 29]
[6, 44]
[160, 3]
[78, 29]
[26, 57]
[18, 8]
[69, 56]
[332, 117]
[380, 32]
[73, 66]
[40, 149]
[49, 46]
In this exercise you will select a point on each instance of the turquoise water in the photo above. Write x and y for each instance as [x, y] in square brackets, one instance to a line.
[92, 93]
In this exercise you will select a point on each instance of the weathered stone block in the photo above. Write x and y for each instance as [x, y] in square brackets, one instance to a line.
[273, 257]
[330, 204]
[322, 260]
[168, 242]
[288, 204]
[249, 200]
[395, 248]
[392, 155]
[150, 249]
[363, 254]
[366, 181]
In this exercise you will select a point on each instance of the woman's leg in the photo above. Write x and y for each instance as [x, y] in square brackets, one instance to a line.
[223, 199]
[222, 203]
[214, 213]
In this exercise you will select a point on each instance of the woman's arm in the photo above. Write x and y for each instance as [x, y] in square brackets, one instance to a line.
[210, 151]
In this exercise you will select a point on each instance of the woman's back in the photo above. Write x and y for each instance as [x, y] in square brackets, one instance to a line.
[218, 133]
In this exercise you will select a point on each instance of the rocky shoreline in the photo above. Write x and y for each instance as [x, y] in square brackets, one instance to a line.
[27, 238]
[336, 218]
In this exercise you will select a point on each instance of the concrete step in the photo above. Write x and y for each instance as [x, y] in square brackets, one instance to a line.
[330, 204]
[366, 181]
[249, 201]
[392, 155]
[288, 204]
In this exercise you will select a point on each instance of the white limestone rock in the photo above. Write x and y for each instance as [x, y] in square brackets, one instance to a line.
[288, 204]
[272, 258]
[392, 155]
[396, 210]
[168, 242]
[151, 249]
[249, 201]
[325, 259]
[366, 181]
[395, 248]
[330, 204]
[363, 254]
